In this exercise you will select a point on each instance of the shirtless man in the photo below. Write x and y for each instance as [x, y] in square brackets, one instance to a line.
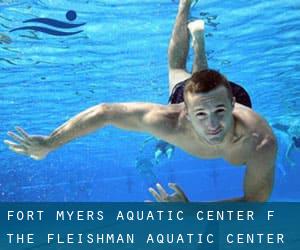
[206, 119]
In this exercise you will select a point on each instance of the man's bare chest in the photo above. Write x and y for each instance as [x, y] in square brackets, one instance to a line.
[235, 153]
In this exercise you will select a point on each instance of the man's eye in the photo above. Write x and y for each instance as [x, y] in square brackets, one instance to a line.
[219, 111]
[201, 114]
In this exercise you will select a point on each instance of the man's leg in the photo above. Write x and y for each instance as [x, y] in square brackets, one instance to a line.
[196, 29]
[179, 46]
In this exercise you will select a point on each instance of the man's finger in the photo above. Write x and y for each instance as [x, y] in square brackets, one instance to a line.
[35, 157]
[162, 192]
[15, 147]
[177, 189]
[155, 194]
[11, 144]
[18, 150]
[16, 137]
[23, 133]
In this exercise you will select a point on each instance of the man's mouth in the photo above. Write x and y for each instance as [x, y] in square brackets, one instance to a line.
[215, 131]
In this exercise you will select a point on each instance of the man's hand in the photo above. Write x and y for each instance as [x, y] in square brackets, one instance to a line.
[33, 146]
[163, 196]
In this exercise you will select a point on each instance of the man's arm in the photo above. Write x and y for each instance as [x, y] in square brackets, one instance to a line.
[259, 177]
[145, 117]
[258, 180]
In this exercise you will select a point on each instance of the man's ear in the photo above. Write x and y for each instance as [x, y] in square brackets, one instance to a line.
[233, 101]
[186, 113]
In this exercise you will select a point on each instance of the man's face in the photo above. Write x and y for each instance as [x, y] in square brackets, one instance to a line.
[210, 114]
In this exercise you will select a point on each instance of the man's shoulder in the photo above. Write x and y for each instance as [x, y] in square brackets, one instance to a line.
[167, 115]
[252, 124]
[254, 132]
[166, 122]
[249, 119]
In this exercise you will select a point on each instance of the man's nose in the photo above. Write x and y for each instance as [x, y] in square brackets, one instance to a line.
[213, 123]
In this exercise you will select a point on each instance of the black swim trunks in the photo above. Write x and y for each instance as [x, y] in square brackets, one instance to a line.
[240, 94]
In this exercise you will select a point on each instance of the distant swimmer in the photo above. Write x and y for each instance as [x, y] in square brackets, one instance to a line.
[145, 161]
[208, 117]
[292, 129]
[161, 149]
[145, 169]
[283, 142]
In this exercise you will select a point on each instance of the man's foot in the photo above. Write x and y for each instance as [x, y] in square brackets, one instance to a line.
[196, 29]
[183, 3]
[191, 3]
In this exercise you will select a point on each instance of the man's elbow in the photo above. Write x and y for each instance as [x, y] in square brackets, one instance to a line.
[104, 111]
[270, 144]
[257, 198]
[263, 197]
[94, 117]
[266, 143]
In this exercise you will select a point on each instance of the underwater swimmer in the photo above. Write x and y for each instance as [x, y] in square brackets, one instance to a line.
[208, 124]
[161, 149]
[145, 169]
[293, 132]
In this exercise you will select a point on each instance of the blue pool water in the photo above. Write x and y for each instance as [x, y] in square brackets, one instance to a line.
[120, 56]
